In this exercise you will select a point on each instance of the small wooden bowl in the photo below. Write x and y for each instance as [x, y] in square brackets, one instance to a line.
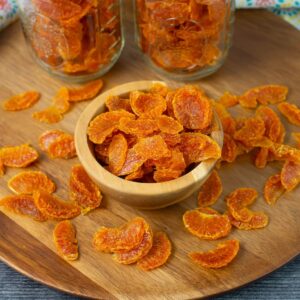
[139, 195]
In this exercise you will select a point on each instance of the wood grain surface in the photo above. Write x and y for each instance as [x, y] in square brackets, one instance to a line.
[265, 50]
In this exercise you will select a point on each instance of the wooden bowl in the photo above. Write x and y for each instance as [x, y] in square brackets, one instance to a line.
[139, 195]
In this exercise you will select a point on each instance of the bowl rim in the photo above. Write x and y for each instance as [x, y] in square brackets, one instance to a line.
[113, 182]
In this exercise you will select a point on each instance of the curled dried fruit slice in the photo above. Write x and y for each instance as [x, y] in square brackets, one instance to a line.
[206, 223]
[132, 256]
[257, 221]
[261, 158]
[291, 112]
[21, 101]
[168, 125]
[49, 115]
[273, 189]
[210, 191]
[219, 257]
[53, 207]
[228, 122]
[86, 92]
[147, 104]
[124, 238]
[192, 108]
[290, 175]
[197, 147]
[264, 95]
[117, 153]
[23, 205]
[64, 236]
[139, 127]
[229, 149]
[62, 147]
[83, 191]
[171, 139]
[229, 100]
[237, 202]
[159, 88]
[138, 174]
[158, 254]
[30, 181]
[132, 162]
[105, 124]
[285, 152]
[117, 103]
[18, 156]
[48, 137]
[61, 100]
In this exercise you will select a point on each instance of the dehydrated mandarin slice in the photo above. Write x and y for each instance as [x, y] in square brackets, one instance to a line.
[138, 174]
[158, 88]
[153, 147]
[124, 238]
[61, 100]
[296, 137]
[229, 149]
[30, 181]
[257, 221]
[273, 189]
[253, 129]
[53, 207]
[64, 236]
[290, 175]
[48, 137]
[220, 257]
[192, 108]
[18, 156]
[261, 158]
[228, 122]
[101, 152]
[21, 101]
[291, 112]
[139, 127]
[132, 256]
[105, 124]
[206, 224]
[133, 162]
[117, 153]
[158, 254]
[211, 190]
[285, 152]
[49, 115]
[117, 103]
[147, 104]
[229, 100]
[197, 147]
[171, 139]
[264, 95]
[86, 92]
[23, 205]
[169, 102]
[237, 202]
[62, 147]
[83, 191]
[168, 125]
[272, 123]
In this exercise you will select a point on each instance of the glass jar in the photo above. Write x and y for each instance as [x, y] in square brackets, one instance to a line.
[77, 40]
[184, 39]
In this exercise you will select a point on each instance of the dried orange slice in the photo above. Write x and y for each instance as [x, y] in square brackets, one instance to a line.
[168, 125]
[158, 254]
[273, 189]
[62, 147]
[210, 191]
[219, 257]
[207, 223]
[18, 156]
[83, 191]
[229, 100]
[30, 181]
[86, 92]
[49, 115]
[61, 100]
[21, 101]
[117, 153]
[53, 207]
[290, 175]
[48, 137]
[117, 103]
[258, 220]
[64, 236]
[230, 149]
[291, 112]
[133, 162]
[140, 127]
[124, 238]
[23, 205]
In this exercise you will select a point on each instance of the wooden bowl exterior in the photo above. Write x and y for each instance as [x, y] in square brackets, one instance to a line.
[136, 194]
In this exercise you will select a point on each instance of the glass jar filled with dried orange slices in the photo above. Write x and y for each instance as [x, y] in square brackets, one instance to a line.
[75, 39]
[185, 39]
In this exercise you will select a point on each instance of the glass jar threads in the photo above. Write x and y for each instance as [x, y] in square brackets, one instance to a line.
[76, 39]
[185, 39]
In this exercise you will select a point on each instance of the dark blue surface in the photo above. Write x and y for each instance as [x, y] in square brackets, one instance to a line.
[282, 284]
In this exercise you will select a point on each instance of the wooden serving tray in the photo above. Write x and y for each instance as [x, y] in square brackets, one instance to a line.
[265, 50]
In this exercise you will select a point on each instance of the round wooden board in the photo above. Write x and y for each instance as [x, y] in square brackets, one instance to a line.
[27, 246]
